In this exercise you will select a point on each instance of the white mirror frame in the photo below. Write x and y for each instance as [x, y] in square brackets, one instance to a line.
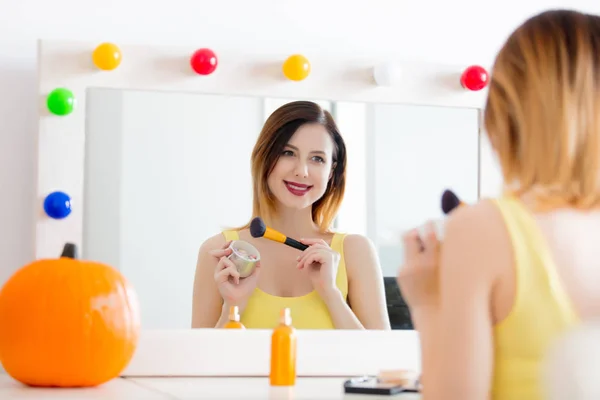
[334, 76]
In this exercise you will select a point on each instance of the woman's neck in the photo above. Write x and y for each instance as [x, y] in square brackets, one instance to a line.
[295, 223]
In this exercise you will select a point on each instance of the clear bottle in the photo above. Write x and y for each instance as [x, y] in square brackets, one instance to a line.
[234, 319]
[283, 352]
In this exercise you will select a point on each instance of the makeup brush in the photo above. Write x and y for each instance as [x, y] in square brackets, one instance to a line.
[450, 201]
[259, 229]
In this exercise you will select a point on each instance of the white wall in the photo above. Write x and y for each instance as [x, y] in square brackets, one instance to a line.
[429, 30]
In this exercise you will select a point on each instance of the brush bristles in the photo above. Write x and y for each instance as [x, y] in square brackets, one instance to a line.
[257, 227]
[449, 201]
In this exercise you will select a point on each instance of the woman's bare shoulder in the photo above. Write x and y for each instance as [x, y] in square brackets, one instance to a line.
[360, 254]
[479, 231]
[482, 216]
[357, 241]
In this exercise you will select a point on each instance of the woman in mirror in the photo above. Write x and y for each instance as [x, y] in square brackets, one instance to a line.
[298, 170]
[516, 272]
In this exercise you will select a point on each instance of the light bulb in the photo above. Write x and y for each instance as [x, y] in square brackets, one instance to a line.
[386, 74]
[474, 78]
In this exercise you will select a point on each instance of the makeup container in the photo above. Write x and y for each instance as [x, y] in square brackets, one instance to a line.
[244, 256]
[388, 384]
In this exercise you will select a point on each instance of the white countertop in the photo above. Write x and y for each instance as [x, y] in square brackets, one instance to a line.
[190, 388]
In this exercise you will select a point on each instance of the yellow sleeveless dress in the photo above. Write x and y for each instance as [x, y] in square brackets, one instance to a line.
[541, 312]
[308, 311]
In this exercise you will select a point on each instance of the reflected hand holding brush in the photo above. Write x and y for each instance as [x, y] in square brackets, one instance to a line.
[321, 264]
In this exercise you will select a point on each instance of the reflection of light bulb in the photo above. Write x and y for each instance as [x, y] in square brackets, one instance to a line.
[386, 74]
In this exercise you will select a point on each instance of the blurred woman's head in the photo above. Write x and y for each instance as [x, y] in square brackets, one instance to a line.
[543, 110]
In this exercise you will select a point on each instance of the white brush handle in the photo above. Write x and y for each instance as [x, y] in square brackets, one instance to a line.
[438, 224]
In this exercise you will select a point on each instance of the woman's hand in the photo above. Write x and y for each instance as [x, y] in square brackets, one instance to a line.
[418, 277]
[321, 264]
[234, 291]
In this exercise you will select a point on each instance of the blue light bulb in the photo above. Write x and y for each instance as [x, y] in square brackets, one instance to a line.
[57, 205]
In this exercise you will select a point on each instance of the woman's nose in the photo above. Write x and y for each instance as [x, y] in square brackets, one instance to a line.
[301, 170]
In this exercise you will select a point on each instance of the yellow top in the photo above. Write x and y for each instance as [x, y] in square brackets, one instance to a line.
[308, 311]
[541, 312]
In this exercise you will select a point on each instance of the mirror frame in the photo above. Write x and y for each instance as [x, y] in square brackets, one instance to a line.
[334, 76]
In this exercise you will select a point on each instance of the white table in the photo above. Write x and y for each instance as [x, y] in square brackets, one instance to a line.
[191, 388]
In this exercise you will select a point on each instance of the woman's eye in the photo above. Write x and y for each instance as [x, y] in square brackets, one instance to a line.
[318, 159]
[287, 153]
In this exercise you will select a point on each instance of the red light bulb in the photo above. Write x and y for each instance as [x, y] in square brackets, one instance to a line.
[204, 61]
[474, 78]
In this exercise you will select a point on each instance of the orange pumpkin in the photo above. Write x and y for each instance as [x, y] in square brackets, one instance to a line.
[66, 322]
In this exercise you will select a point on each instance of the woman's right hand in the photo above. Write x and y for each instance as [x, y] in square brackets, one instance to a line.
[234, 290]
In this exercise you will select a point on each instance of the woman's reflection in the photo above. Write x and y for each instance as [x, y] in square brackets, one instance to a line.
[299, 172]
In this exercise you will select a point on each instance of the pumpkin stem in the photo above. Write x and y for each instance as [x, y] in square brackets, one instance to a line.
[69, 251]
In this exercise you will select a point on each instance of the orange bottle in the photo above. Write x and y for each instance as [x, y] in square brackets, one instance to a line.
[283, 352]
[234, 319]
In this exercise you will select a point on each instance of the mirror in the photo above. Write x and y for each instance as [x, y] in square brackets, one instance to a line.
[159, 164]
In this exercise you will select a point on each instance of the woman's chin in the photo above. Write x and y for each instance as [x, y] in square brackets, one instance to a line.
[297, 206]
[296, 203]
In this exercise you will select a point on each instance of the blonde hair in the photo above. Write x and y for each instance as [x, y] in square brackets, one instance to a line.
[542, 115]
[275, 134]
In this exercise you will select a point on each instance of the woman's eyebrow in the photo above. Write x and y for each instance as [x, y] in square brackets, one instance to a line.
[312, 151]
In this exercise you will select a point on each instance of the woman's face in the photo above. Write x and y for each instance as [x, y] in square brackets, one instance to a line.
[304, 167]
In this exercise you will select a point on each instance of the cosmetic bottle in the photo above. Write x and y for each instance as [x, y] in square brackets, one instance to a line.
[234, 319]
[283, 352]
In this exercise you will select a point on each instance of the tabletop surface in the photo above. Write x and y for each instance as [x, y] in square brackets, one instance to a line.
[172, 388]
